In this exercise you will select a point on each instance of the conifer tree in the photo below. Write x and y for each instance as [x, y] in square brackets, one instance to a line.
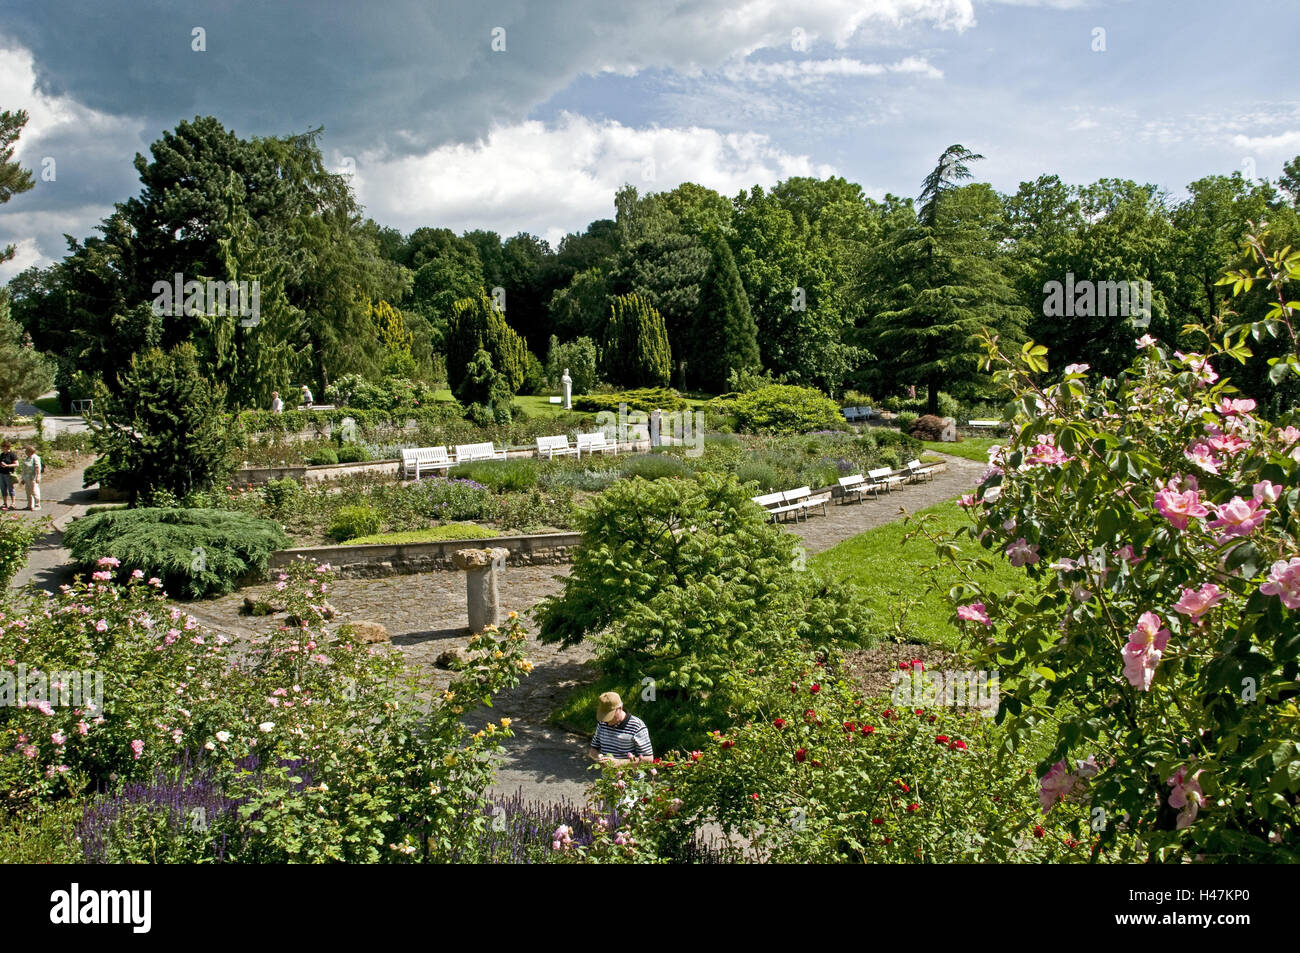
[476, 325]
[725, 337]
[634, 347]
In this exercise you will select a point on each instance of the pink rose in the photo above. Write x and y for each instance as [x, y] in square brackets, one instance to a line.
[1195, 603]
[975, 612]
[1237, 517]
[1022, 553]
[1284, 582]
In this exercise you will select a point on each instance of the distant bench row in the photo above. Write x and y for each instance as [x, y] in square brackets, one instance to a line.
[416, 461]
[801, 501]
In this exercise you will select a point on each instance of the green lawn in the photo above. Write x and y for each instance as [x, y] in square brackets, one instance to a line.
[48, 405]
[972, 448]
[433, 534]
[890, 574]
[537, 405]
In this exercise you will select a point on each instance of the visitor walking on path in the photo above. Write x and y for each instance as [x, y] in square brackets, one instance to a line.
[277, 405]
[32, 468]
[619, 736]
[8, 474]
[307, 398]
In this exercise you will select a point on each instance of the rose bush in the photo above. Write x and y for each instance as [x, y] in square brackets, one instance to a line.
[821, 775]
[318, 746]
[1156, 516]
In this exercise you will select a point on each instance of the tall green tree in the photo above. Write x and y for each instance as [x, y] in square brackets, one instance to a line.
[253, 354]
[14, 179]
[25, 373]
[948, 279]
[634, 349]
[725, 338]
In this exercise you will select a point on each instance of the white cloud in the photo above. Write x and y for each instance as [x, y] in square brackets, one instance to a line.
[549, 179]
[808, 71]
[1288, 142]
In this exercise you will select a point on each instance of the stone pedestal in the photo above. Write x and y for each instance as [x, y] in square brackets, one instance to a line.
[949, 433]
[482, 598]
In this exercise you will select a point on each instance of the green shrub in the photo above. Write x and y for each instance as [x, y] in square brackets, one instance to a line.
[390, 393]
[194, 552]
[352, 453]
[323, 457]
[281, 495]
[353, 521]
[579, 357]
[689, 582]
[767, 477]
[16, 537]
[644, 399]
[502, 476]
[654, 466]
[783, 408]
[905, 420]
[529, 512]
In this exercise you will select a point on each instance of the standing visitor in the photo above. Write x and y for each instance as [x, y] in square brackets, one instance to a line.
[306, 396]
[8, 474]
[618, 734]
[277, 405]
[32, 468]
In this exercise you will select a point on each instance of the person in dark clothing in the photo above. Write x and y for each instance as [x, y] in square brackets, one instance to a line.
[8, 473]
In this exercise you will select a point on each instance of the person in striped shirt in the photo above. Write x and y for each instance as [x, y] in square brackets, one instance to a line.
[619, 734]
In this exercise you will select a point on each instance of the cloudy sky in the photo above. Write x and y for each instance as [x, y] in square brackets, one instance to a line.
[526, 116]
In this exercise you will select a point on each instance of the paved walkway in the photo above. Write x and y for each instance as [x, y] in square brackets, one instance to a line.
[62, 497]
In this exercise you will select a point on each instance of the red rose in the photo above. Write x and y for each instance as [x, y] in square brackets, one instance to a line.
[794, 688]
[917, 663]
[957, 745]
[868, 729]
[1071, 843]
[903, 785]
[754, 797]
[814, 688]
[877, 820]
[920, 711]
[933, 719]
[809, 714]
[696, 755]
[888, 713]
[941, 739]
[800, 755]
[779, 722]
[1039, 832]
[815, 763]
[849, 726]
[728, 744]
[913, 808]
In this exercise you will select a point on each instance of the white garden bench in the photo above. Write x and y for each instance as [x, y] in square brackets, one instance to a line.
[769, 500]
[859, 413]
[883, 477]
[853, 486]
[471, 452]
[596, 443]
[918, 470]
[551, 447]
[424, 458]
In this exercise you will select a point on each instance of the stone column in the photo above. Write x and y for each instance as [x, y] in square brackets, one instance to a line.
[482, 597]
[567, 381]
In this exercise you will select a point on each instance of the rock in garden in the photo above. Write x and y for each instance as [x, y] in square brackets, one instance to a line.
[370, 631]
[454, 659]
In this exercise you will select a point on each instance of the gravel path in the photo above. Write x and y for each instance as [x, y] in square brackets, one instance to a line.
[62, 498]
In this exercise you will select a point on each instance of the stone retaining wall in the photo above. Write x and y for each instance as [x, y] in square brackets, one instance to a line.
[385, 559]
